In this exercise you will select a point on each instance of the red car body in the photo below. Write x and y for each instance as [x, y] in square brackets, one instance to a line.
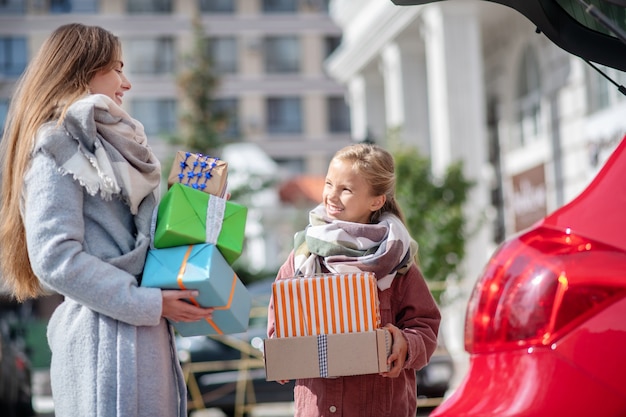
[546, 321]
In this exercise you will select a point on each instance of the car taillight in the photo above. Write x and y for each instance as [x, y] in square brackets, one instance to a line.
[537, 286]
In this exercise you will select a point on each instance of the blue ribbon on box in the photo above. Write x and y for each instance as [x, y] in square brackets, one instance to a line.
[322, 354]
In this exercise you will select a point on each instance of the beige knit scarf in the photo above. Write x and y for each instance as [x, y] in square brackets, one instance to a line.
[110, 153]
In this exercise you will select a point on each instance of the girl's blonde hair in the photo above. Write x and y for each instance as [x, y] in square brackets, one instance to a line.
[377, 167]
[56, 77]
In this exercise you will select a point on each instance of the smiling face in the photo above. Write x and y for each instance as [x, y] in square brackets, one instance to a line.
[112, 83]
[347, 196]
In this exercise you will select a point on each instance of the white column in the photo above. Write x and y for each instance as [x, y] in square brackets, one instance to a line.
[358, 113]
[367, 106]
[375, 103]
[416, 123]
[455, 85]
[403, 65]
[458, 132]
[394, 91]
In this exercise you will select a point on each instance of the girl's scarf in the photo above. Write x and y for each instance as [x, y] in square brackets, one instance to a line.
[384, 248]
[109, 153]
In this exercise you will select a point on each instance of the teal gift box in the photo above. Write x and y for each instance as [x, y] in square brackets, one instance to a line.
[201, 267]
[187, 216]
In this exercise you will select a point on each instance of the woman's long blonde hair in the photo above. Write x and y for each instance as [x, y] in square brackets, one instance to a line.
[56, 77]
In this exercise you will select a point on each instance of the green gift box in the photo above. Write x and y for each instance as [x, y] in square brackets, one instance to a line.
[203, 268]
[187, 216]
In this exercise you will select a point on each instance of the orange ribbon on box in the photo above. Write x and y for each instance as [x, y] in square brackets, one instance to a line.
[179, 279]
[326, 304]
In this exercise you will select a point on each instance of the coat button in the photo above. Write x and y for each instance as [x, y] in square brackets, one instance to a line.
[333, 409]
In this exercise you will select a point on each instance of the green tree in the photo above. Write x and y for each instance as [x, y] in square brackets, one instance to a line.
[200, 122]
[434, 213]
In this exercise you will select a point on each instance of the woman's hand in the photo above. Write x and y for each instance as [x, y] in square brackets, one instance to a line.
[176, 308]
[398, 354]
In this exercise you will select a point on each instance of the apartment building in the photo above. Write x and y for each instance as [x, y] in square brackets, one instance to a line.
[269, 55]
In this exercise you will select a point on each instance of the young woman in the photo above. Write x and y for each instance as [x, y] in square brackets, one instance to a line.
[359, 226]
[79, 184]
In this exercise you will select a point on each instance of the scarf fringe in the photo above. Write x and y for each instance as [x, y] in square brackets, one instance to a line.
[121, 163]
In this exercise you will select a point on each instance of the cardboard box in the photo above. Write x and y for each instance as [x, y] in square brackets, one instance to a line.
[187, 216]
[327, 355]
[202, 172]
[326, 304]
[201, 267]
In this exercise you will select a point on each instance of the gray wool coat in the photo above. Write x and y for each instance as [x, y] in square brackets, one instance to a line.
[112, 352]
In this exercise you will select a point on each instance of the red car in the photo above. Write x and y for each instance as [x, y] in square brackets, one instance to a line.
[546, 325]
[546, 321]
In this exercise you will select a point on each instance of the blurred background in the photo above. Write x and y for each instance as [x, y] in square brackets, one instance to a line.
[492, 126]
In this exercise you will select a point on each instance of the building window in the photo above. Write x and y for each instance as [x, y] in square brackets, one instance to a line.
[318, 5]
[291, 166]
[284, 115]
[217, 6]
[528, 100]
[280, 6]
[151, 56]
[13, 56]
[158, 116]
[226, 110]
[149, 6]
[601, 92]
[330, 44]
[598, 90]
[12, 7]
[223, 51]
[282, 54]
[4, 108]
[338, 115]
[73, 6]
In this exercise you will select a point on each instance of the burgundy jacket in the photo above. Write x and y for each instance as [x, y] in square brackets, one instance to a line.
[409, 305]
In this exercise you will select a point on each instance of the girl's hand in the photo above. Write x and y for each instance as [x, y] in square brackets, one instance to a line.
[176, 308]
[398, 354]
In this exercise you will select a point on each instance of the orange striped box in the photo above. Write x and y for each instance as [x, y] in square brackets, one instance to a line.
[326, 304]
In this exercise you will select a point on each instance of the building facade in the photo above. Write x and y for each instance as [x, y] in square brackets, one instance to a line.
[474, 81]
[268, 54]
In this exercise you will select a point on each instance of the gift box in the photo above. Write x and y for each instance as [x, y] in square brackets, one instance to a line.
[201, 172]
[187, 216]
[201, 267]
[326, 304]
[329, 355]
